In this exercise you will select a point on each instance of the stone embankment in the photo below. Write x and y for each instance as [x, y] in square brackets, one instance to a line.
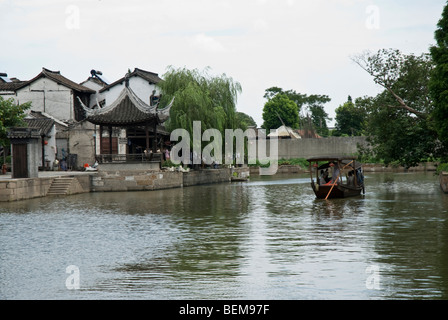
[141, 179]
[109, 179]
[46, 185]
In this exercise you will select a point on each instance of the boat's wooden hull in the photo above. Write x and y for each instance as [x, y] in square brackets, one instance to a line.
[338, 191]
[444, 181]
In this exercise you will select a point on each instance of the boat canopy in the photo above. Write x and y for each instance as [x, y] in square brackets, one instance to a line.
[331, 158]
[345, 160]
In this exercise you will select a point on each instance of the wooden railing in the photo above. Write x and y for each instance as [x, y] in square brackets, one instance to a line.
[129, 158]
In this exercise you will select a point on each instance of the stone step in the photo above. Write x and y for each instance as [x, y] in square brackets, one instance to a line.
[60, 186]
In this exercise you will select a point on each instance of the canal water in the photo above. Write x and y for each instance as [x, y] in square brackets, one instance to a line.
[268, 238]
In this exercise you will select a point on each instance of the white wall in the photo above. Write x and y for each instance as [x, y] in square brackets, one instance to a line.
[8, 94]
[33, 159]
[140, 86]
[49, 97]
[96, 97]
[50, 148]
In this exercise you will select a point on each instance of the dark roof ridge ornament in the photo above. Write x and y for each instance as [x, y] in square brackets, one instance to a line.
[50, 71]
[126, 80]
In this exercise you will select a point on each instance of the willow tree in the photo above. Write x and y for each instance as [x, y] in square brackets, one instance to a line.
[200, 97]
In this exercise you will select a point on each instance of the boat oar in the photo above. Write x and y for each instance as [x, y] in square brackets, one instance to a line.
[332, 186]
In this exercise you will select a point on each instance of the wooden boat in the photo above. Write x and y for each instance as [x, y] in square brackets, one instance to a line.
[443, 178]
[345, 176]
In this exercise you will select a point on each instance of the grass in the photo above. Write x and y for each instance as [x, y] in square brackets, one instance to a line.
[294, 162]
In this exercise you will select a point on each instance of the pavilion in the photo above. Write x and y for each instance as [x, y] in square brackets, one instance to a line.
[140, 120]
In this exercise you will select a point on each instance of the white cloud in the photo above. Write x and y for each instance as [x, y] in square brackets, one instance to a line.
[260, 25]
[206, 43]
[299, 45]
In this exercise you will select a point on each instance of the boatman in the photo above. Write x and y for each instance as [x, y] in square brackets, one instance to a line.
[336, 172]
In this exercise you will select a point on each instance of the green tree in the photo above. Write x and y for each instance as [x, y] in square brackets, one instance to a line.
[398, 122]
[438, 85]
[244, 120]
[200, 97]
[314, 104]
[404, 77]
[398, 136]
[319, 116]
[350, 119]
[280, 110]
[11, 115]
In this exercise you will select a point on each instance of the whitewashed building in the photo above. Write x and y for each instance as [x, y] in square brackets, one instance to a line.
[52, 93]
[46, 126]
[58, 98]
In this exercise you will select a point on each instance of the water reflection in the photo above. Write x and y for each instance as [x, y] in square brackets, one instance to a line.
[410, 234]
[268, 238]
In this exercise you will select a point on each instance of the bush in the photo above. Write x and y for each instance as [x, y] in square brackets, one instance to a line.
[168, 163]
[293, 162]
[442, 167]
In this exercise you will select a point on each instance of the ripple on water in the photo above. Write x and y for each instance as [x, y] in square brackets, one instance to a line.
[265, 239]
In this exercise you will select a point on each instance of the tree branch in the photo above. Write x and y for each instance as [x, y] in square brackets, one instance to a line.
[361, 61]
[403, 104]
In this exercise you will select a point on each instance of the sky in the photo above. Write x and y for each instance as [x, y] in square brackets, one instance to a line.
[304, 46]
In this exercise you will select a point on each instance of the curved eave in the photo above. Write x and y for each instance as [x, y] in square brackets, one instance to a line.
[127, 110]
[101, 122]
[164, 114]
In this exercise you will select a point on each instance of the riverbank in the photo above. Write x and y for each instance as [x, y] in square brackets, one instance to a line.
[111, 179]
[66, 182]
[137, 178]
[368, 167]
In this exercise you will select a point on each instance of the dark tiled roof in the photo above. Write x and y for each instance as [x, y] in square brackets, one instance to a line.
[96, 80]
[124, 113]
[23, 133]
[61, 127]
[58, 78]
[151, 77]
[10, 86]
[43, 124]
